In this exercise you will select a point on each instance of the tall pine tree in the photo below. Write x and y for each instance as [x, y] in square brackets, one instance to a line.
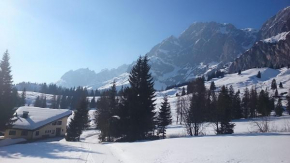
[288, 102]
[246, 103]
[141, 101]
[264, 103]
[164, 117]
[279, 108]
[79, 122]
[224, 107]
[7, 102]
[23, 97]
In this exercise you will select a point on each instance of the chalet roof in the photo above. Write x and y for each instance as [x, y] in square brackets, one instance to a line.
[38, 117]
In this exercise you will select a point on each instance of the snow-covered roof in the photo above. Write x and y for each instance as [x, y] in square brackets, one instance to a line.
[38, 117]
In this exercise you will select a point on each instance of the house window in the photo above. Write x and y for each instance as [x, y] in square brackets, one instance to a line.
[53, 123]
[12, 132]
[52, 131]
[24, 133]
[36, 133]
[59, 122]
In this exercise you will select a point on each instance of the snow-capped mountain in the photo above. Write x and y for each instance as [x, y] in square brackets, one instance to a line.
[89, 78]
[200, 50]
[273, 48]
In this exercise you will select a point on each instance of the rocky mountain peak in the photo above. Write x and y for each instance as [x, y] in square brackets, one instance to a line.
[276, 24]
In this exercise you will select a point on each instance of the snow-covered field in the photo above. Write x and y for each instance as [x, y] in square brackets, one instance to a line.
[245, 145]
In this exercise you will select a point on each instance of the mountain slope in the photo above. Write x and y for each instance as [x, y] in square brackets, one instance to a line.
[273, 50]
[201, 48]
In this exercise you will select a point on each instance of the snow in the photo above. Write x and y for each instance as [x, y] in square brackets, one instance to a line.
[223, 149]
[277, 38]
[223, 30]
[250, 148]
[248, 79]
[38, 117]
[6, 142]
[121, 80]
[245, 145]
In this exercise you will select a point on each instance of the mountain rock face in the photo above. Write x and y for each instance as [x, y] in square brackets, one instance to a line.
[198, 50]
[89, 78]
[277, 24]
[274, 47]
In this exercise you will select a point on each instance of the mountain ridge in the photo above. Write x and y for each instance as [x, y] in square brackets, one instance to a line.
[199, 50]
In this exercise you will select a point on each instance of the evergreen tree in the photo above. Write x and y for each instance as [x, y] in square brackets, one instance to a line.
[273, 84]
[276, 93]
[102, 116]
[121, 92]
[246, 103]
[22, 98]
[58, 100]
[264, 103]
[97, 92]
[93, 103]
[231, 92]
[43, 102]
[253, 102]
[212, 86]
[107, 115]
[15, 97]
[279, 108]
[79, 122]
[114, 113]
[288, 102]
[259, 75]
[73, 130]
[280, 85]
[53, 102]
[195, 116]
[224, 105]
[37, 102]
[44, 88]
[92, 94]
[164, 117]
[141, 101]
[6, 98]
[63, 102]
[238, 113]
[83, 111]
[183, 91]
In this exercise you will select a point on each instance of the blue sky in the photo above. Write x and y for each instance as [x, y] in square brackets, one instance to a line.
[49, 37]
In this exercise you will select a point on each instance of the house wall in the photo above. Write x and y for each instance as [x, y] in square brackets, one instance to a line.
[51, 128]
[18, 134]
[43, 131]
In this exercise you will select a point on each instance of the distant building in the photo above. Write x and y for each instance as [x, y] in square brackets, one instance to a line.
[34, 123]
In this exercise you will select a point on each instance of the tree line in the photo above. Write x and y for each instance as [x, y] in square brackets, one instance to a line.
[221, 106]
[131, 115]
[128, 115]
